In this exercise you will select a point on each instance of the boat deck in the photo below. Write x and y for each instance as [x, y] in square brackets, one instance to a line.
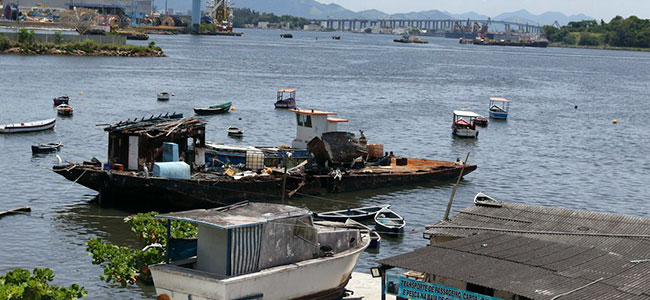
[413, 165]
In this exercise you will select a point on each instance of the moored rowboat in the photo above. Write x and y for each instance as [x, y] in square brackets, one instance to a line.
[357, 214]
[387, 220]
[213, 110]
[28, 126]
[46, 148]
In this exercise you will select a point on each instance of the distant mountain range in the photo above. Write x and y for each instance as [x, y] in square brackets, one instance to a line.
[312, 9]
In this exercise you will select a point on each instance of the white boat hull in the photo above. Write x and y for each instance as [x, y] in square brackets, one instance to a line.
[305, 279]
[28, 127]
[465, 132]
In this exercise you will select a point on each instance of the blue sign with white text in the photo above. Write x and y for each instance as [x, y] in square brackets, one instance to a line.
[419, 290]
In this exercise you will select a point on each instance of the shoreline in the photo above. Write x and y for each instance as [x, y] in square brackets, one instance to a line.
[636, 49]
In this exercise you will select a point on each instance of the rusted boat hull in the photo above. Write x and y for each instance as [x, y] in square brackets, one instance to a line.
[125, 189]
[357, 182]
[121, 189]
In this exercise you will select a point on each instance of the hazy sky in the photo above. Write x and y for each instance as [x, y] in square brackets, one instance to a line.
[599, 9]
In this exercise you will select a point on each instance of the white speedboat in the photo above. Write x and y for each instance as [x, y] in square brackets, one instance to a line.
[260, 251]
[28, 126]
[464, 124]
[163, 96]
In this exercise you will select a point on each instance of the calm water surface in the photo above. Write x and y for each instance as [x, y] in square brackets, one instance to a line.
[402, 96]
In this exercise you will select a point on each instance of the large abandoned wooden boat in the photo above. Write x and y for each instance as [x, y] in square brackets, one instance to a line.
[253, 250]
[136, 147]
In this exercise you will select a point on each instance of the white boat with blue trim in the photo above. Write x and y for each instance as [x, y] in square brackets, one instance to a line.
[260, 251]
[499, 108]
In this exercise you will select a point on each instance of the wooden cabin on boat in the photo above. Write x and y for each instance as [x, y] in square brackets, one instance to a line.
[260, 251]
[313, 123]
[518, 251]
[138, 143]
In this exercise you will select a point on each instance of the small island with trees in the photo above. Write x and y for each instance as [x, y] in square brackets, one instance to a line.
[620, 33]
[27, 44]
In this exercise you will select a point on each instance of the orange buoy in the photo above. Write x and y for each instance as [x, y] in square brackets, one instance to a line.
[614, 121]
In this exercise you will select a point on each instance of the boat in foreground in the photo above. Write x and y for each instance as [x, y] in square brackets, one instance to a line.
[484, 200]
[28, 126]
[499, 108]
[286, 98]
[387, 220]
[286, 36]
[213, 110]
[64, 110]
[464, 124]
[357, 214]
[47, 148]
[253, 250]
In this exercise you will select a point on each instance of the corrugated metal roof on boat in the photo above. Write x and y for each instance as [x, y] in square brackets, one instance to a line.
[552, 269]
[237, 215]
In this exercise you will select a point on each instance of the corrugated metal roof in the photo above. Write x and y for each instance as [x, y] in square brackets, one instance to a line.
[620, 234]
[237, 215]
[501, 261]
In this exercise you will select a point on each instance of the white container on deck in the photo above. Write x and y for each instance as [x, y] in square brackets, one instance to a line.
[175, 170]
[254, 160]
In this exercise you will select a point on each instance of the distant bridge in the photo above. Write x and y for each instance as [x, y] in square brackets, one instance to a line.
[432, 25]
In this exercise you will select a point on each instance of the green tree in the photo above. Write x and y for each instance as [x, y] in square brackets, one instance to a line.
[26, 36]
[587, 39]
[58, 37]
[124, 265]
[19, 284]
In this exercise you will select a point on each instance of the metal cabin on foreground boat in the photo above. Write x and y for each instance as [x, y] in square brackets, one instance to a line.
[519, 251]
[261, 251]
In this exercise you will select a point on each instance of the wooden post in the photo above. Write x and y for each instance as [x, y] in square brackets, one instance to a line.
[453, 192]
[284, 181]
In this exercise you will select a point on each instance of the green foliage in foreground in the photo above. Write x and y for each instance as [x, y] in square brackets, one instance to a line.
[19, 284]
[124, 265]
[243, 16]
[619, 32]
[27, 44]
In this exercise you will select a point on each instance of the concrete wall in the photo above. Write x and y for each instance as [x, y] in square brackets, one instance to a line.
[51, 38]
[212, 250]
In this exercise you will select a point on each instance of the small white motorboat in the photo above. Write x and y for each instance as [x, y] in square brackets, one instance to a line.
[64, 110]
[234, 131]
[163, 96]
[28, 126]
[484, 200]
[464, 124]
